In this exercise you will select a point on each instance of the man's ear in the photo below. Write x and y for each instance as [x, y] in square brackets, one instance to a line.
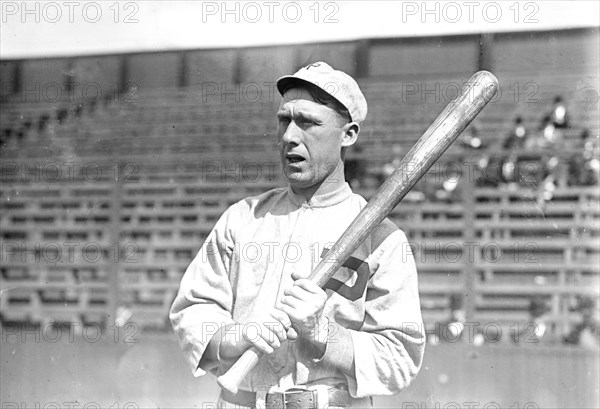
[350, 136]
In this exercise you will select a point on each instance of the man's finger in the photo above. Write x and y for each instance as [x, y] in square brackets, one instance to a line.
[282, 318]
[289, 304]
[299, 293]
[290, 309]
[277, 330]
[273, 340]
[309, 286]
[296, 275]
[260, 343]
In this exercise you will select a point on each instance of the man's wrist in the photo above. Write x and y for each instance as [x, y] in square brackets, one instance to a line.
[211, 356]
[226, 350]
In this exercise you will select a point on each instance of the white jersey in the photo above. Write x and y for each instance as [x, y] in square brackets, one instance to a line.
[247, 261]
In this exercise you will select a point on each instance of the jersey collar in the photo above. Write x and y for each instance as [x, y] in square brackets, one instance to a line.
[321, 200]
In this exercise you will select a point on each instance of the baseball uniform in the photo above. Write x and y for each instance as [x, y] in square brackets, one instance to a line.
[245, 264]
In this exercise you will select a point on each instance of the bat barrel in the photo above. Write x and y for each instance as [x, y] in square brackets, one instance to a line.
[479, 90]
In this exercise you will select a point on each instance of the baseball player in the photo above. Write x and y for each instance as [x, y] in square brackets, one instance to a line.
[359, 336]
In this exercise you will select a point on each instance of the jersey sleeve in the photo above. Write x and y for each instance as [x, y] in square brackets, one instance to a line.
[203, 303]
[388, 350]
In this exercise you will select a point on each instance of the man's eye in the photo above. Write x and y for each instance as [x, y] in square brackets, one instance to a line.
[306, 121]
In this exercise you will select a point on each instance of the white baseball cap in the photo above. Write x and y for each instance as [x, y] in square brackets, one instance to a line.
[337, 84]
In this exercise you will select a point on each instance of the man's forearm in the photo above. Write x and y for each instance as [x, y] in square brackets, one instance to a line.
[212, 354]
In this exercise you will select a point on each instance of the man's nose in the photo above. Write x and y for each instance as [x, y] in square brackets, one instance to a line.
[291, 134]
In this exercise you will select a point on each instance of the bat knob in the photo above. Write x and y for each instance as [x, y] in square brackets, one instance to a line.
[228, 383]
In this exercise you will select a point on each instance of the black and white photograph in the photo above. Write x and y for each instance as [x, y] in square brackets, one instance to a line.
[304, 204]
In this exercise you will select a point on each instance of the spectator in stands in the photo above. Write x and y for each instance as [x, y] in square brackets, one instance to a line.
[549, 183]
[415, 194]
[516, 140]
[559, 117]
[586, 332]
[362, 337]
[584, 167]
[449, 191]
[21, 132]
[4, 138]
[27, 124]
[548, 135]
[554, 176]
[43, 122]
[510, 171]
[489, 171]
[517, 137]
[469, 138]
[451, 330]
[556, 119]
[537, 330]
[77, 110]
[61, 115]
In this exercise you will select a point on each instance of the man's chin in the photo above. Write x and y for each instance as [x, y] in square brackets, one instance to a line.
[297, 178]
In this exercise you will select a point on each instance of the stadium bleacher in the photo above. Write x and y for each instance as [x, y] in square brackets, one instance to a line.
[105, 207]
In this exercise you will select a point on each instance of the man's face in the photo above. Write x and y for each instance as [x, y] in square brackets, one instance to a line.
[310, 138]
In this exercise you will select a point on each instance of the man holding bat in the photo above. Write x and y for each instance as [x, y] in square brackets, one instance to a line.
[361, 334]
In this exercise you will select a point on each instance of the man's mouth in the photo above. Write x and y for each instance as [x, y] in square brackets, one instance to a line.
[294, 158]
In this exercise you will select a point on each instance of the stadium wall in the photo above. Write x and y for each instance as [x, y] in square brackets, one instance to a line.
[544, 51]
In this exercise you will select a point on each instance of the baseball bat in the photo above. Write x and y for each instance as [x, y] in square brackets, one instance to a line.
[457, 115]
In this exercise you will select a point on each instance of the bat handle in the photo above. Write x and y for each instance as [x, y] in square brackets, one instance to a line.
[230, 380]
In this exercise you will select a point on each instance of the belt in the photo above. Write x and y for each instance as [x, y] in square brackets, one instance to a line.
[294, 398]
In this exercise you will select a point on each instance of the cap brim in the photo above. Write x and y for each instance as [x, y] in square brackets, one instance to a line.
[289, 81]
[286, 82]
